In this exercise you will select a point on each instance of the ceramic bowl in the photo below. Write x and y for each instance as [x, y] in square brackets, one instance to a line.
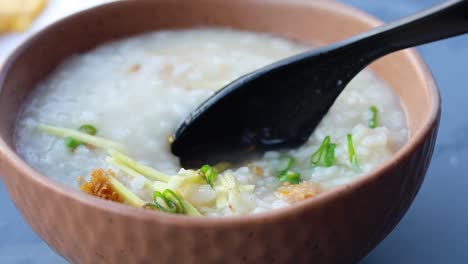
[340, 226]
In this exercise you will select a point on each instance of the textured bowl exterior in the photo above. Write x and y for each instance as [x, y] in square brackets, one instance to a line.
[340, 226]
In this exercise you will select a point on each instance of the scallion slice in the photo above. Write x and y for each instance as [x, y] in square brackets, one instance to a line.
[329, 157]
[290, 176]
[325, 154]
[317, 156]
[71, 143]
[209, 173]
[352, 153]
[373, 120]
[171, 196]
[88, 129]
[286, 174]
[163, 204]
[168, 202]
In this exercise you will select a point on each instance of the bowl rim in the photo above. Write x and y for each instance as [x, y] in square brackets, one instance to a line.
[9, 156]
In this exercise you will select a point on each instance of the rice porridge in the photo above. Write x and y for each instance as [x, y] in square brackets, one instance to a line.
[101, 122]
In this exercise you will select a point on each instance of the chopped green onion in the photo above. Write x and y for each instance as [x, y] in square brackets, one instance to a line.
[171, 196]
[317, 156]
[164, 204]
[352, 153]
[168, 202]
[88, 129]
[287, 175]
[71, 143]
[290, 176]
[329, 155]
[82, 137]
[373, 120]
[209, 174]
[325, 154]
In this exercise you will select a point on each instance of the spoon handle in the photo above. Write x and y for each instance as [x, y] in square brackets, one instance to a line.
[439, 22]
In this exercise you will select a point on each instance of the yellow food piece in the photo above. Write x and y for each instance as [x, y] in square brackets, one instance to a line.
[80, 136]
[297, 192]
[17, 15]
[103, 184]
[99, 186]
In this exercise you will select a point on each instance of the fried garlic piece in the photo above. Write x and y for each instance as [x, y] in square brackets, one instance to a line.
[100, 186]
[297, 192]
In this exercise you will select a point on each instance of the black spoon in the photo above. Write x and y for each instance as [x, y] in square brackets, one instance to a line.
[279, 106]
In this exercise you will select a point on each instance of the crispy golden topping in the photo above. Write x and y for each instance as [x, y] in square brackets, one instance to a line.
[99, 185]
[297, 192]
[134, 68]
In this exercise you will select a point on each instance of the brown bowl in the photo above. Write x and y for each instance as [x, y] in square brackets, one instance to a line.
[339, 226]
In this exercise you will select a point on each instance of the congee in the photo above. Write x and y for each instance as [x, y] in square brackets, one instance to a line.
[101, 123]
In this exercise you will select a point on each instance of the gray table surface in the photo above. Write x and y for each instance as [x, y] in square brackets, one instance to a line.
[434, 230]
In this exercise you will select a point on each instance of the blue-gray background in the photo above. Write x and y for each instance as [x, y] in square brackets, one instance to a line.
[435, 229]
